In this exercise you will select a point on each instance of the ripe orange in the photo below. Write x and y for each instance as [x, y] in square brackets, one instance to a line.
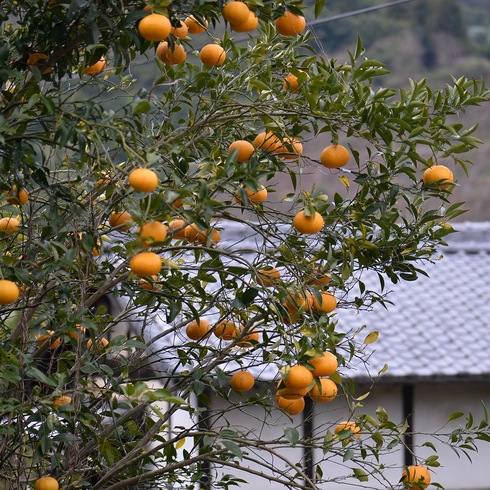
[327, 304]
[297, 301]
[254, 196]
[268, 277]
[324, 365]
[17, 197]
[40, 61]
[244, 148]
[41, 338]
[46, 483]
[318, 278]
[212, 55]
[290, 24]
[348, 425]
[298, 377]
[9, 225]
[80, 330]
[150, 284]
[292, 407]
[181, 31]
[96, 68]
[100, 345]
[334, 156]
[250, 24]
[121, 220]
[267, 141]
[154, 27]
[326, 393]
[439, 176]
[143, 179]
[227, 330]
[236, 12]
[291, 83]
[195, 234]
[146, 264]
[152, 232]
[416, 477]
[195, 26]
[290, 393]
[290, 149]
[9, 292]
[170, 56]
[198, 329]
[62, 400]
[242, 381]
[177, 228]
[308, 224]
[250, 339]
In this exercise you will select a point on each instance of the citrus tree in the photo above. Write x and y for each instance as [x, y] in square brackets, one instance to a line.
[125, 203]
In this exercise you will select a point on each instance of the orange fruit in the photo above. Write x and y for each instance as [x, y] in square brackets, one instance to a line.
[195, 234]
[334, 156]
[242, 381]
[198, 329]
[16, 196]
[9, 225]
[177, 228]
[227, 330]
[324, 365]
[268, 277]
[150, 285]
[181, 31]
[46, 483]
[170, 56]
[290, 393]
[143, 179]
[250, 339]
[290, 149]
[100, 345]
[326, 393]
[154, 27]
[9, 292]
[96, 68]
[195, 26]
[297, 301]
[298, 377]
[327, 304]
[292, 83]
[152, 232]
[62, 400]
[244, 148]
[254, 196]
[308, 224]
[121, 220]
[318, 279]
[40, 61]
[267, 142]
[41, 338]
[290, 24]
[250, 24]
[236, 12]
[348, 425]
[292, 407]
[416, 477]
[212, 55]
[79, 331]
[146, 264]
[439, 176]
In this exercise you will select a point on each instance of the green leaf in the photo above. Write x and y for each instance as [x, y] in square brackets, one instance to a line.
[109, 452]
[292, 435]
[371, 338]
[361, 475]
[233, 447]
[142, 107]
[455, 415]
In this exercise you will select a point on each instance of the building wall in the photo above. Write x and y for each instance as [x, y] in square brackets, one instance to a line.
[432, 405]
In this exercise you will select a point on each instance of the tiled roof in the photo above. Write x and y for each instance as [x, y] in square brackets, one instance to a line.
[438, 326]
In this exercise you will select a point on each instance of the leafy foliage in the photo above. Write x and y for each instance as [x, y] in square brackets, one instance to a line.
[71, 141]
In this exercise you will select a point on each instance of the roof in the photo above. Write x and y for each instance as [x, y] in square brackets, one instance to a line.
[438, 326]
